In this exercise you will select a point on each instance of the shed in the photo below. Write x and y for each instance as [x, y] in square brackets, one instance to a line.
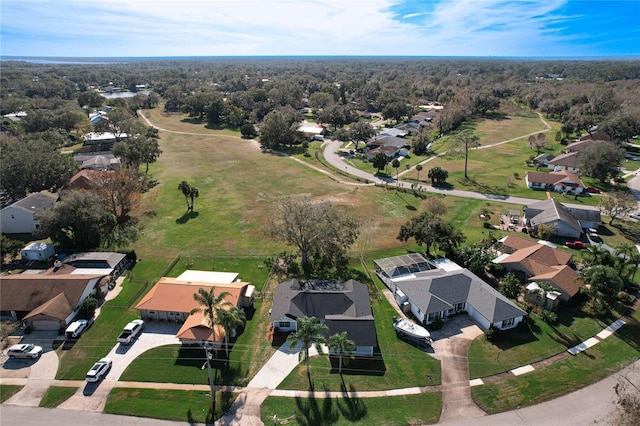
[37, 250]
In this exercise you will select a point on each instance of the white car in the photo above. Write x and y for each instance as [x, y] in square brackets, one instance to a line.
[24, 350]
[99, 370]
[76, 328]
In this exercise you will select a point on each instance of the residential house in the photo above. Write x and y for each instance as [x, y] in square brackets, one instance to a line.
[561, 181]
[342, 306]
[433, 290]
[581, 145]
[21, 216]
[171, 299]
[87, 180]
[102, 138]
[312, 131]
[394, 132]
[568, 161]
[596, 136]
[542, 159]
[48, 300]
[110, 264]
[537, 262]
[568, 222]
[391, 146]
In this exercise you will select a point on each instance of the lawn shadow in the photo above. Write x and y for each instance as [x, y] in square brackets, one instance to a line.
[360, 366]
[186, 217]
[312, 413]
[69, 344]
[524, 333]
[351, 407]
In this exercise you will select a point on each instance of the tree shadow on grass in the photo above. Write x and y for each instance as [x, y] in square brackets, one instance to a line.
[313, 413]
[373, 366]
[351, 407]
[186, 217]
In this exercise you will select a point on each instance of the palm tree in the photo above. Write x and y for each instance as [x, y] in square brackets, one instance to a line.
[396, 165]
[310, 332]
[209, 303]
[229, 319]
[194, 193]
[624, 249]
[634, 260]
[185, 187]
[341, 345]
[418, 169]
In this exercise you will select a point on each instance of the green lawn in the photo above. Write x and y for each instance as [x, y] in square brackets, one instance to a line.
[56, 395]
[534, 341]
[596, 363]
[7, 391]
[186, 406]
[389, 411]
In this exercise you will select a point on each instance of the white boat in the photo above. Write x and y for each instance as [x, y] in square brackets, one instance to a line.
[411, 330]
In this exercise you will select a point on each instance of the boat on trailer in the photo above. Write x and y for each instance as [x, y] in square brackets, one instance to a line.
[411, 331]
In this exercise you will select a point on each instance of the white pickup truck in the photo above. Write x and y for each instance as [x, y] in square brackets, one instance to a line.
[131, 331]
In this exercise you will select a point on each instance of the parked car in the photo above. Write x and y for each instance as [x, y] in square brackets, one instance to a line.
[76, 328]
[99, 370]
[593, 190]
[131, 331]
[635, 216]
[578, 245]
[24, 350]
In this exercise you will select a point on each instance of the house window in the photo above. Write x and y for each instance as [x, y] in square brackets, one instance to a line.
[460, 307]
[283, 324]
[508, 323]
[152, 312]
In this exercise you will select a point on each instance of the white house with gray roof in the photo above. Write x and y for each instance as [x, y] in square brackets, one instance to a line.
[342, 306]
[443, 289]
[21, 216]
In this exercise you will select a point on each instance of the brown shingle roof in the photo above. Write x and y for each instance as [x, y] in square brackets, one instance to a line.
[196, 327]
[58, 308]
[562, 277]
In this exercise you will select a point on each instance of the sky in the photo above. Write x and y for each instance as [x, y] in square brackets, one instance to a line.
[479, 28]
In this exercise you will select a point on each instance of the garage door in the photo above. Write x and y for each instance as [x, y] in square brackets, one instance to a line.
[46, 325]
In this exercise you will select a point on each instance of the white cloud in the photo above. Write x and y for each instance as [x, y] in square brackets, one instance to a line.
[287, 27]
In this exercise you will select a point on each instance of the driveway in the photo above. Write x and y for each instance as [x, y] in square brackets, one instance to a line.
[39, 372]
[93, 396]
[451, 347]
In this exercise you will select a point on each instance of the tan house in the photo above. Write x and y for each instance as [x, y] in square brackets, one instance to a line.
[171, 299]
[49, 300]
[537, 262]
[563, 181]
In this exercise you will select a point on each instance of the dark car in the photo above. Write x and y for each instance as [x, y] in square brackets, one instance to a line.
[593, 190]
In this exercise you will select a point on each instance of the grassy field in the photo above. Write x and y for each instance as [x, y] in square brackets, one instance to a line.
[7, 391]
[56, 395]
[187, 406]
[389, 411]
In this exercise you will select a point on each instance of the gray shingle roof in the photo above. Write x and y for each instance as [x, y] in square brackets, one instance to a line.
[437, 293]
[343, 306]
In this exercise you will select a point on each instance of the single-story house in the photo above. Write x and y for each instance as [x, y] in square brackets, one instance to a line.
[342, 306]
[536, 262]
[393, 132]
[389, 151]
[566, 221]
[437, 293]
[394, 141]
[48, 300]
[21, 216]
[102, 138]
[581, 145]
[558, 181]
[312, 131]
[171, 299]
[109, 263]
[100, 162]
[88, 180]
[542, 159]
[568, 161]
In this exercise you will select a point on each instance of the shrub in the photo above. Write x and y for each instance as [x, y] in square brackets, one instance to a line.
[88, 308]
[548, 316]
[492, 334]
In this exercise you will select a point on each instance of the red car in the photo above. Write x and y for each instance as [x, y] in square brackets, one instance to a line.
[592, 190]
[578, 245]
